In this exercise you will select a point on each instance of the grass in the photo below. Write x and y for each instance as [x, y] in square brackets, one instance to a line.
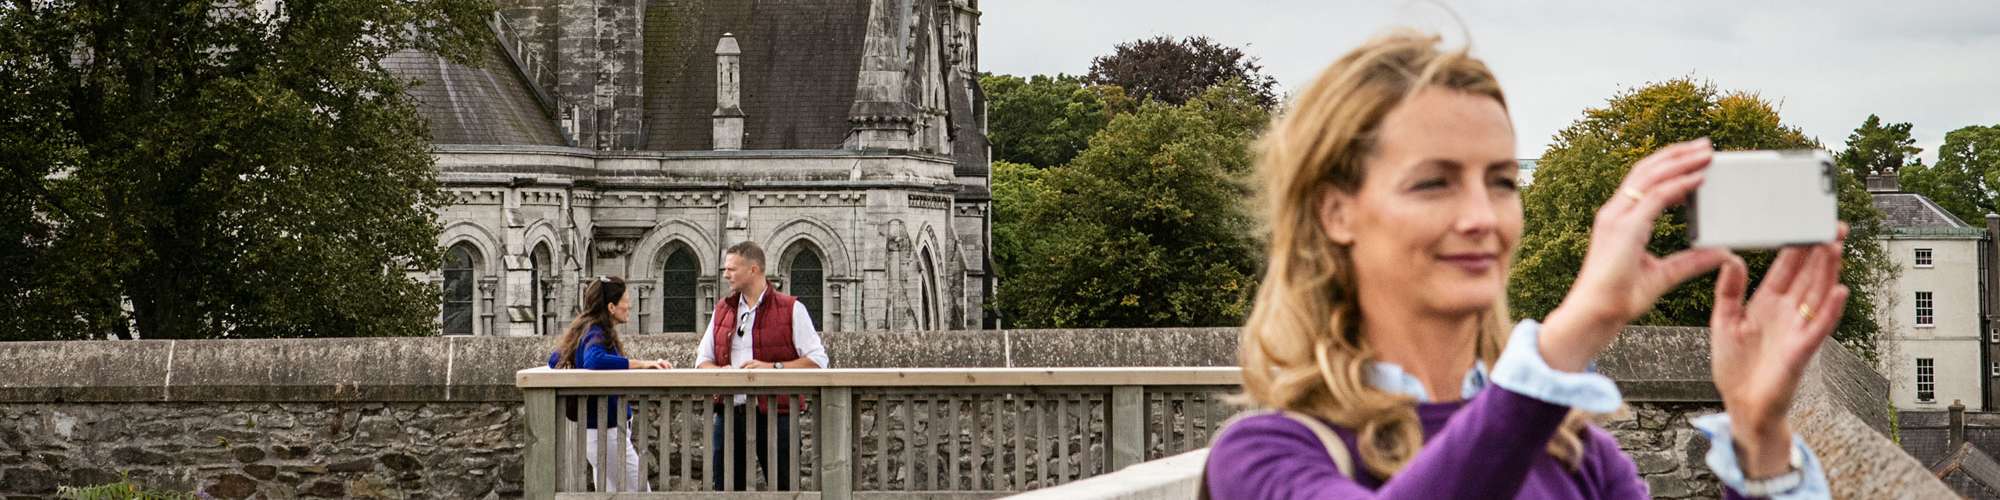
[122, 490]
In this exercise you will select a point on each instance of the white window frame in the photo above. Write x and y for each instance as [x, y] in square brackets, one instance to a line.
[1926, 380]
[1925, 258]
[1926, 310]
[1996, 368]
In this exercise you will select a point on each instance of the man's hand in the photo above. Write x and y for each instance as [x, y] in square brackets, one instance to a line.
[757, 365]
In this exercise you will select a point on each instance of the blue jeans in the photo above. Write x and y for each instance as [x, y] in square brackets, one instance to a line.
[754, 438]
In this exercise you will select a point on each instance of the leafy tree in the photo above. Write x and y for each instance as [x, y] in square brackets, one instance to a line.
[1146, 228]
[1875, 148]
[217, 168]
[1582, 168]
[1175, 71]
[1966, 179]
[1044, 120]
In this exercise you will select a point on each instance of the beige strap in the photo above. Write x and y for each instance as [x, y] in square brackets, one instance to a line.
[1334, 446]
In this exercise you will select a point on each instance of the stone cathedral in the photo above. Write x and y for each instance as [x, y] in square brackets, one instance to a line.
[639, 138]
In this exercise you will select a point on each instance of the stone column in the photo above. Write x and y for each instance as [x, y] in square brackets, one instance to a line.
[736, 218]
[484, 307]
[517, 310]
[644, 291]
[728, 116]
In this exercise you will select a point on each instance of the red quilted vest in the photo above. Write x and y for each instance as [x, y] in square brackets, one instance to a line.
[770, 337]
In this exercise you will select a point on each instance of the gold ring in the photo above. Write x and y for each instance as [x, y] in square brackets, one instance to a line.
[1805, 312]
[1634, 195]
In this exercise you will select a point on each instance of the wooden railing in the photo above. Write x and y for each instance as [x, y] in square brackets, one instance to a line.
[868, 433]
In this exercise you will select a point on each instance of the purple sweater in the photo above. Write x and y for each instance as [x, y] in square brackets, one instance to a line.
[1491, 447]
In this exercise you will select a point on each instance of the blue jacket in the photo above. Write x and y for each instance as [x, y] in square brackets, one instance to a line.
[593, 354]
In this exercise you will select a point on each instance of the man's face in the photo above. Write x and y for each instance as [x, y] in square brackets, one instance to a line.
[741, 273]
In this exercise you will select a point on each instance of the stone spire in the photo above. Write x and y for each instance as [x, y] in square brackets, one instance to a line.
[882, 115]
[728, 114]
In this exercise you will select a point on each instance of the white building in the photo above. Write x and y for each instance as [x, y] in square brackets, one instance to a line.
[1931, 348]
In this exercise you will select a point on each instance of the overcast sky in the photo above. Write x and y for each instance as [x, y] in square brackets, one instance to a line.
[1828, 65]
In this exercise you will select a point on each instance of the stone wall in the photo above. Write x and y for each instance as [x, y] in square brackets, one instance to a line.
[1667, 451]
[440, 418]
[240, 449]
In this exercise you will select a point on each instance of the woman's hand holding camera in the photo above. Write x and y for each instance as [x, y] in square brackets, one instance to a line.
[1760, 346]
[1620, 279]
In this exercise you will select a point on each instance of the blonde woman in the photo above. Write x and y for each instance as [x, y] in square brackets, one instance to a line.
[1380, 338]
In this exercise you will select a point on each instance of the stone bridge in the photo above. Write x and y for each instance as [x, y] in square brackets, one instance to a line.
[443, 418]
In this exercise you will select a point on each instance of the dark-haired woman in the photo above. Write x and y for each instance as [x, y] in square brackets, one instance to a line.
[591, 342]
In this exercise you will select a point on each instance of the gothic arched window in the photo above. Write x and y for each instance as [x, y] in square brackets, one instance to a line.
[807, 279]
[677, 290]
[539, 298]
[460, 263]
[928, 282]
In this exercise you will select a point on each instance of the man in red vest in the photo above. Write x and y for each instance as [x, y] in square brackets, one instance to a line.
[756, 328]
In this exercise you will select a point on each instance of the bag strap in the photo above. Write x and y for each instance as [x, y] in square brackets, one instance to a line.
[1335, 448]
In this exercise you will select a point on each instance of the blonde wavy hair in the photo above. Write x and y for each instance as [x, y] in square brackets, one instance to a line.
[1301, 348]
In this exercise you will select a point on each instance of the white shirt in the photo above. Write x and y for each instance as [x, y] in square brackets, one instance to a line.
[805, 339]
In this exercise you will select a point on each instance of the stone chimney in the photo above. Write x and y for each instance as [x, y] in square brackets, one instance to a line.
[1957, 435]
[728, 133]
[1883, 183]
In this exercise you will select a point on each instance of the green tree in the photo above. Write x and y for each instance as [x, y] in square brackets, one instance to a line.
[1175, 71]
[1966, 176]
[1588, 159]
[1146, 228]
[1044, 120]
[216, 168]
[1875, 148]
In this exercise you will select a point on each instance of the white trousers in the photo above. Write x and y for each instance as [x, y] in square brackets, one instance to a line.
[631, 477]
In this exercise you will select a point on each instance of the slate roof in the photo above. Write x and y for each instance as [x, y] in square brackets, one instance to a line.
[486, 104]
[1910, 210]
[1971, 472]
[800, 63]
[1925, 434]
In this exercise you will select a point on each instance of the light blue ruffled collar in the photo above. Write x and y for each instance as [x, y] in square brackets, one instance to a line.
[1391, 378]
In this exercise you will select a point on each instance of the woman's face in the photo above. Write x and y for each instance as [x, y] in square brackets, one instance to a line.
[1438, 216]
[621, 311]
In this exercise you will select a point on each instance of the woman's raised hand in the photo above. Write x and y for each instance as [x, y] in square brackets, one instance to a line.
[1761, 347]
[1621, 280]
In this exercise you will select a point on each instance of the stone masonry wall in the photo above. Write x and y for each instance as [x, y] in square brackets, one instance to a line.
[439, 418]
[270, 450]
[1666, 449]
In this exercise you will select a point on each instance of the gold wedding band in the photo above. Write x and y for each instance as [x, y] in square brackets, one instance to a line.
[1634, 195]
[1805, 312]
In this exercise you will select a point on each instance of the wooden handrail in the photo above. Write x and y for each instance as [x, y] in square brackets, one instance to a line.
[545, 378]
[1063, 423]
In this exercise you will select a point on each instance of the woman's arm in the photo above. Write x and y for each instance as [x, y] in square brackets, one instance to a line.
[1621, 279]
[596, 356]
[1485, 451]
[1760, 348]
